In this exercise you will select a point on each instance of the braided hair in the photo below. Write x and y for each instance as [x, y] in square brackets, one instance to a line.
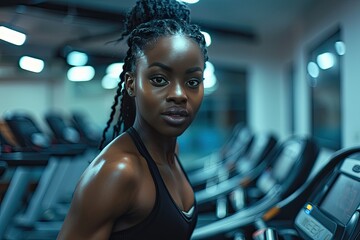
[144, 25]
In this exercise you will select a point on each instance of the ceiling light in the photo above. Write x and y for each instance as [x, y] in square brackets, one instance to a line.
[209, 75]
[340, 47]
[109, 82]
[326, 60]
[313, 69]
[31, 64]
[188, 1]
[112, 77]
[115, 69]
[12, 36]
[210, 80]
[76, 58]
[81, 74]
[207, 38]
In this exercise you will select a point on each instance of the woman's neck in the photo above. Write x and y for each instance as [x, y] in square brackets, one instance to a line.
[161, 148]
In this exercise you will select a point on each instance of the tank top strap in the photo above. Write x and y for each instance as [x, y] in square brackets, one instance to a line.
[182, 167]
[143, 151]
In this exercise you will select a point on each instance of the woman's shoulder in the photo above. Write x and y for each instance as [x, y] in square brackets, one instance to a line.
[120, 151]
[108, 188]
[117, 168]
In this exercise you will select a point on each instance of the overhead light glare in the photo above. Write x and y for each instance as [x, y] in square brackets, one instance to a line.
[313, 69]
[31, 64]
[76, 58]
[209, 75]
[188, 1]
[210, 80]
[207, 38]
[326, 60]
[81, 73]
[109, 82]
[340, 48]
[115, 69]
[12, 36]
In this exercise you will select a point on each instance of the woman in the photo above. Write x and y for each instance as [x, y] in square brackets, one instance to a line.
[136, 187]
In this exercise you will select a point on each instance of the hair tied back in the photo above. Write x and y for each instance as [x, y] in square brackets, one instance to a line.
[148, 10]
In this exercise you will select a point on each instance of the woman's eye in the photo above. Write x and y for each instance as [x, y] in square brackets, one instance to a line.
[159, 81]
[193, 83]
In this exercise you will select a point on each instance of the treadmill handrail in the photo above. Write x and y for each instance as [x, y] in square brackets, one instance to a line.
[25, 159]
[241, 218]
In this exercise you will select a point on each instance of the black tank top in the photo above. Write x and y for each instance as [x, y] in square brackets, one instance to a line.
[166, 221]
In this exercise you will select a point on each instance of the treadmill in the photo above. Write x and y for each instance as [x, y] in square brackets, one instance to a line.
[290, 167]
[326, 207]
[62, 132]
[24, 164]
[3, 167]
[30, 223]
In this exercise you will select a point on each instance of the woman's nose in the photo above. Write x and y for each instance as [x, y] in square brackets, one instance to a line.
[177, 94]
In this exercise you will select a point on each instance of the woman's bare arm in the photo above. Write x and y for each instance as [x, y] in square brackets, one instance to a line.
[105, 192]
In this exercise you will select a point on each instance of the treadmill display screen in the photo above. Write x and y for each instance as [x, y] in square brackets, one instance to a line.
[343, 199]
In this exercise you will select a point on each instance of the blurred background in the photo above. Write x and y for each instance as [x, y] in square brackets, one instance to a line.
[282, 66]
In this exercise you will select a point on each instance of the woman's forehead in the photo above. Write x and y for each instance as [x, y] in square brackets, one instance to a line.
[168, 47]
[176, 41]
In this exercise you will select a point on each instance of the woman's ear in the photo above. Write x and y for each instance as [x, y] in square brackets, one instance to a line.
[130, 84]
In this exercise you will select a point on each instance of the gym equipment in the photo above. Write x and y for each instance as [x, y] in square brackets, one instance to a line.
[89, 132]
[28, 224]
[25, 163]
[237, 145]
[247, 168]
[260, 147]
[291, 164]
[64, 133]
[3, 166]
[327, 206]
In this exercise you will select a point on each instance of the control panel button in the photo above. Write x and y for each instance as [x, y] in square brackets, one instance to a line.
[356, 168]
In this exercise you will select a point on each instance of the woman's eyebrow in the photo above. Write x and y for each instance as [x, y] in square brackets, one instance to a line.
[161, 65]
[194, 69]
[169, 69]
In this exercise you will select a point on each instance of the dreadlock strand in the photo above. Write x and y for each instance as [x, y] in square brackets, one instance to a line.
[108, 123]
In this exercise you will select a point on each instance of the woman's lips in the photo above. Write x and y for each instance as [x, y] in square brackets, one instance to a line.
[175, 116]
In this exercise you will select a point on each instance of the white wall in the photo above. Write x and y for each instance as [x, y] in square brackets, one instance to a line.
[24, 95]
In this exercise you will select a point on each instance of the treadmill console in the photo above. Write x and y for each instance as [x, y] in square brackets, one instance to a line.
[333, 211]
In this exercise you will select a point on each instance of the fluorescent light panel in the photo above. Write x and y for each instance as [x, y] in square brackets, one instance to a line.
[189, 1]
[326, 60]
[31, 64]
[76, 58]
[109, 81]
[340, 47]
[313, 69]
[115, 69]
[207, 38]
[12, 36]
[210, 80]
[81, 74]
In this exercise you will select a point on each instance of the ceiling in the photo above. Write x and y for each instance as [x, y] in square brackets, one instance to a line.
[54, 27]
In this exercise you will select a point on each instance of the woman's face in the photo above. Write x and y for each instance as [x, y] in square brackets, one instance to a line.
[168, 85]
